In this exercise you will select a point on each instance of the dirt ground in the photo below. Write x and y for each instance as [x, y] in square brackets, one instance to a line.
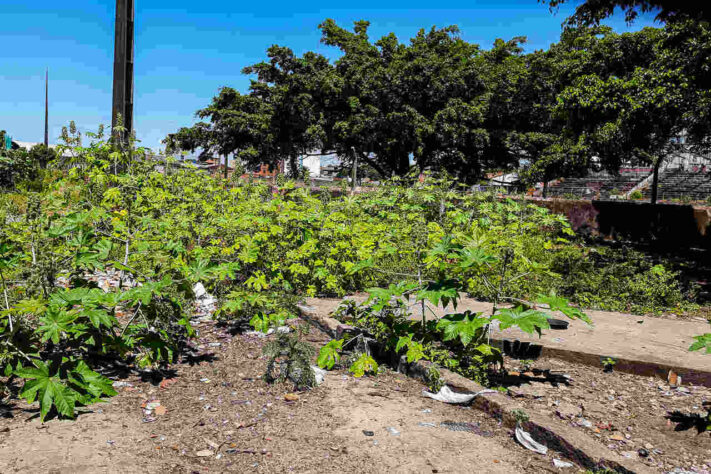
[217, 415]
[627, 413]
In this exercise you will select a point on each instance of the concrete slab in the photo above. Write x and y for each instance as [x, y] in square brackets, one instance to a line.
[639, 344]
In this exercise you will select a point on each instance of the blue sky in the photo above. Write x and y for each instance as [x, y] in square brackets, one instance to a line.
[186, 50]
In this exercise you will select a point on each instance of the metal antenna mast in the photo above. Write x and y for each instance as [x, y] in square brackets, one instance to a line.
[123, 67]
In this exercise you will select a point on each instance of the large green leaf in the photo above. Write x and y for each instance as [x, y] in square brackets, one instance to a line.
[54, 323]
[439, 292]
[329, 355]
[98, 317]
[463, 326]
[365, 364]
[557, 303]
[49, 390]
[528, 320]
[702, 342]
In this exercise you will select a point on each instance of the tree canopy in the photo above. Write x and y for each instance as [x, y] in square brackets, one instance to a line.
[439, 102]
[591, 12]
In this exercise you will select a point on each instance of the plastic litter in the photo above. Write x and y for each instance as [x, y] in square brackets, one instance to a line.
[446, 395]
[528, 442]
[562, 464]
[392, 431]
[319, 374]
[426, 424]
[585, 423]
[368, 433]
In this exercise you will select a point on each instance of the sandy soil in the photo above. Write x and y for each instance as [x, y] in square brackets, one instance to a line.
[627, 413]
[217, 415]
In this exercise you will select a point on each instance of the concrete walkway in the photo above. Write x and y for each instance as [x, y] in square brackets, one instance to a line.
[639, 344]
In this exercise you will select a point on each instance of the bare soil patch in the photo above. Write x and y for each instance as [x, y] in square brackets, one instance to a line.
[627, 413]
[217, 415]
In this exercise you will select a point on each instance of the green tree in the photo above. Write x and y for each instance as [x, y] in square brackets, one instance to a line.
[42, 155]
[591, 12]
[425, 100]
[636, 108]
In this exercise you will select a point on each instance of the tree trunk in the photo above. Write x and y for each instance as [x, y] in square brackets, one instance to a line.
[655, 181]
[403, 164]
[354, 171]
[293, 171]
[226, 161]
[545, 189]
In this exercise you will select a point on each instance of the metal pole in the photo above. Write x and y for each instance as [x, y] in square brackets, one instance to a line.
[123, 67]
[46, 107]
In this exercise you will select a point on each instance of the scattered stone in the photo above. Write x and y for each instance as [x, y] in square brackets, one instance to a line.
[469, 427]
[617, 437]
[526, 390]
[368, 433]
[161, 410]
[165, 383]
[567, 411]
[643, 452]
[205, 453]
[291, 397]
[392, 431]
[562, 464]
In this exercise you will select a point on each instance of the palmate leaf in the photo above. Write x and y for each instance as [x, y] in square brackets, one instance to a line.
[463, 326]
[74, 296]
[474, 257]
[54, 323]
[260, 322]
[200, 270]
[702, 342]
[382, 296]
[443, 250]
[528, 320]
[365, 364]
[363, 264]
[442, 291]
[93, 382]
[415, 350]
[49, 390]
[557, 303]
[98, 317]
[329, 355]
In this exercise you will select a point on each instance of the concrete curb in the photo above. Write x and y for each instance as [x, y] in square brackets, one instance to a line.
[628, 366]
[557, 436]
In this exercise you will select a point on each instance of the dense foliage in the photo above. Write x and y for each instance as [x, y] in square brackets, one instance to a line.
[259, 249]
[441, 103]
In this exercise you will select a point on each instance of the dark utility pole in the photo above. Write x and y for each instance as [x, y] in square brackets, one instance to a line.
[46, 107]
[123, 67]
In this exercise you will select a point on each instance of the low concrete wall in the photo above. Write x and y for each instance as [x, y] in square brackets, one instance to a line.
[664, 225]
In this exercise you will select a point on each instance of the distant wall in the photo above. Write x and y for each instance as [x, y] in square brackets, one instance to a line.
[665, 225]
